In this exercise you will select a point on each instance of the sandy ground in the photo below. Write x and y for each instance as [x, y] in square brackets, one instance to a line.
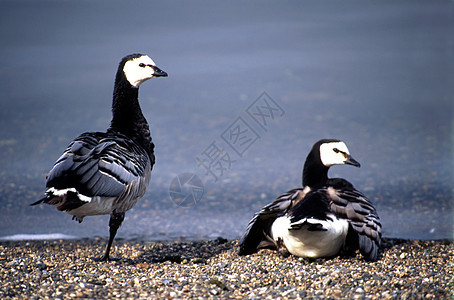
[64, 269]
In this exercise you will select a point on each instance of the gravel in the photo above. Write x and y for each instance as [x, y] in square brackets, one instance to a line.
[64, 269]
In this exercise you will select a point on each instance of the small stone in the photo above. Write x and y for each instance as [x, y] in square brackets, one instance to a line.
[198, 260]
[326, 281]
[214, 292]
[359, 291]
[136, 281]
[337, 293]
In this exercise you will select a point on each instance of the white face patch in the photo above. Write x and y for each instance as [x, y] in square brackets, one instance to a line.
[139, 70]
[333, 153]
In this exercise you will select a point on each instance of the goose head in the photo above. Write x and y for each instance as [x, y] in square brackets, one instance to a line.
[335, 152]
[138, 68]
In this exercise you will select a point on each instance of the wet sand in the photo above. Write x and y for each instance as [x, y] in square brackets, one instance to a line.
[64, 269]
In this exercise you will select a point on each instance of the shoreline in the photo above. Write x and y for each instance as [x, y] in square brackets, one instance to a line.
[66, 269]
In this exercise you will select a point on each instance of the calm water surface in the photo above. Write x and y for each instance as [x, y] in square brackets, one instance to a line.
[378, 75]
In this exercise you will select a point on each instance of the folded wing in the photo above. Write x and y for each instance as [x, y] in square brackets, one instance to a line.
[99, 164]
[258, 231]
[351, 204]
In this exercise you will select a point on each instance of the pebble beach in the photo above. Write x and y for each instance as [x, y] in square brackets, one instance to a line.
[65, 269]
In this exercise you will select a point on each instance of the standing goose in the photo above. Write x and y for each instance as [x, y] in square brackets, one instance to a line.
[108, 172]
[325, 217]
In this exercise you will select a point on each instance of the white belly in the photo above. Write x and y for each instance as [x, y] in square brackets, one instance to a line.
[96, 206]
[305, 243]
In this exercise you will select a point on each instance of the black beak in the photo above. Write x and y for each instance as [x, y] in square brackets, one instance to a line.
[158, 72]
[351, 161]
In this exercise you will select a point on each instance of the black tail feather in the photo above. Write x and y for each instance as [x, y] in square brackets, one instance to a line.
[39, 201]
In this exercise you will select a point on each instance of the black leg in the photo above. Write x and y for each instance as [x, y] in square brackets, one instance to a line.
[114, 223]
[351, 243]
[281, 248]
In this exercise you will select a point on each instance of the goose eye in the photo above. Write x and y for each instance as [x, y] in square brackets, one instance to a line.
[142, 65]
[336, 150]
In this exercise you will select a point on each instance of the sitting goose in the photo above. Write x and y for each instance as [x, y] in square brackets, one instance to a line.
[325, 217]
[108, 172]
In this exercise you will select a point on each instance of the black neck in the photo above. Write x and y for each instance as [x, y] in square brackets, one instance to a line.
[127, 116]
[315, 174]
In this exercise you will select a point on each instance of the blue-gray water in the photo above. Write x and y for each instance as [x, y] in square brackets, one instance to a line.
[378, 75]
